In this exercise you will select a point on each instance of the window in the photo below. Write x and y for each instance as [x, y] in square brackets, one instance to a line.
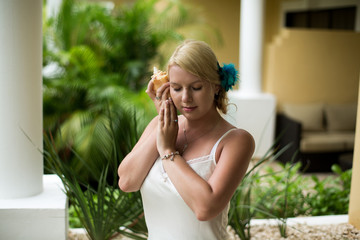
[336, 18]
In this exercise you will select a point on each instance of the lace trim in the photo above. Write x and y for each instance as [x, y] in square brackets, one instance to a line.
[201, 159]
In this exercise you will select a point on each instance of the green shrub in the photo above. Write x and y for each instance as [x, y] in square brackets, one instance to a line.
[330, 196]
[102, 58]
[100, 206]
[287, 192]
[306, 195]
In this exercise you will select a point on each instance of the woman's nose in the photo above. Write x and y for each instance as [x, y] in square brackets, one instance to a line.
[186, 96]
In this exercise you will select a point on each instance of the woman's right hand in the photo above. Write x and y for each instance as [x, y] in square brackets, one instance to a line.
[168, 128]
[159, 96]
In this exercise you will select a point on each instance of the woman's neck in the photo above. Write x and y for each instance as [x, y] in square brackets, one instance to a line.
[196, 130]
[206, 123]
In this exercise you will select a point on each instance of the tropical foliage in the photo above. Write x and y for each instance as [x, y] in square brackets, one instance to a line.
[99, 58]
[100, 207]
[286, 192]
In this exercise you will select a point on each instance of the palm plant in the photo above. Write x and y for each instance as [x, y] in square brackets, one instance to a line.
[100, 60]
[102, 208]
[244, 207]
[102, 57]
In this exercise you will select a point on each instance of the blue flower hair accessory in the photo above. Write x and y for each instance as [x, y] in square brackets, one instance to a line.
[228, 76]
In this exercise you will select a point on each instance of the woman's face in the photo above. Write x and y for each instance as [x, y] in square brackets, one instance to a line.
[193, 97]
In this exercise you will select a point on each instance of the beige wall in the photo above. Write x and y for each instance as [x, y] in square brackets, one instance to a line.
[305, 66]
[272, 18]
[225, 17]
[354, 208]
[326, 68]
[222, 19]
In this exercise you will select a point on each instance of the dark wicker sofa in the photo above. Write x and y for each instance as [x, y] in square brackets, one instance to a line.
[317, 146]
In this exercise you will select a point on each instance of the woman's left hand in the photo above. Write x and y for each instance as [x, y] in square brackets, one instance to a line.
[168, 127]
[159, 96]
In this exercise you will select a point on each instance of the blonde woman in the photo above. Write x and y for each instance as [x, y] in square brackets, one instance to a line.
[188, 166]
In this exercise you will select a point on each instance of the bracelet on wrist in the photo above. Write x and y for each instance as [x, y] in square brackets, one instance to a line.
[170, 156]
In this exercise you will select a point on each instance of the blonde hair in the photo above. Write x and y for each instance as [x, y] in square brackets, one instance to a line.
[197, 58]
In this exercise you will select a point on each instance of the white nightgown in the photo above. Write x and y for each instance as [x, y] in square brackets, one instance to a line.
[167, 215]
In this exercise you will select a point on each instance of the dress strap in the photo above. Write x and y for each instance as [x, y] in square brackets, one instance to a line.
[213, 150]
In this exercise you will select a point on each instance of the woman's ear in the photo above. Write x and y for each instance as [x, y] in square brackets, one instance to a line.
[217, 89]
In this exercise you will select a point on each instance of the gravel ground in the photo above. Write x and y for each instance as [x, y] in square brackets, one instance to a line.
[343, 231]
[302, 231]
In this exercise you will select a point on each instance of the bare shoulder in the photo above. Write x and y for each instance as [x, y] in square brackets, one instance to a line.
[240, 135]
[153, 123]
[238, 142]
[150, 128]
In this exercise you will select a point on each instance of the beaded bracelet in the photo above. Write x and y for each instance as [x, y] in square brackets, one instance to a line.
[170, 155]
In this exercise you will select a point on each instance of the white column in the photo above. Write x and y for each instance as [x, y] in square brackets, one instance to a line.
[251, 42]
[32, 205]
[21, 165]
[254, 111]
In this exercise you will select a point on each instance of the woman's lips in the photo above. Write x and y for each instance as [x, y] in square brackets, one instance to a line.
[189, 109]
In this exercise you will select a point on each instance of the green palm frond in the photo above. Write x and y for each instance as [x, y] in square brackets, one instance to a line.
[98, 202]
[94, 99]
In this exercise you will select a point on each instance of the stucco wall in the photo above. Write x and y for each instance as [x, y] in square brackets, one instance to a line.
[305, 66]
[326, 68]
[354, 208]
[225, 17]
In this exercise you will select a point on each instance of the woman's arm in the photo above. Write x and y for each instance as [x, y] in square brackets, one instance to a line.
[136, 165]
[208, 198]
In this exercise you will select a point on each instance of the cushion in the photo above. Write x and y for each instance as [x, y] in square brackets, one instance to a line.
[341, 117]
[310, 116]
[327, 141]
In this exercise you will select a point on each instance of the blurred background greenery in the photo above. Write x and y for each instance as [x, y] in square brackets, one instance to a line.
[99, 58]
[97, 61]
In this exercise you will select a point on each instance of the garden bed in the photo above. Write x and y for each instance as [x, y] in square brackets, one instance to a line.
[316, 228]
[319, 227]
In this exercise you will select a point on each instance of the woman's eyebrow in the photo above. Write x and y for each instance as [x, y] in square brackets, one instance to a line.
[196, 81]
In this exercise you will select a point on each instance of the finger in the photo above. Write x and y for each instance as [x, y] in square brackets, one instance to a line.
[161, 115]
[160, 94]
[163, 87]
[174, 115]
[162, 91]
[166, 93]
[163, 97]
[167, 117]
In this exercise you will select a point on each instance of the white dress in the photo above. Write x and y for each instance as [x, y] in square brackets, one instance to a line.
[166, 214]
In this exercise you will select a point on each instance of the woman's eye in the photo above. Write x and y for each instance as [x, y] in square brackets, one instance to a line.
[197, 88]
[176, 89]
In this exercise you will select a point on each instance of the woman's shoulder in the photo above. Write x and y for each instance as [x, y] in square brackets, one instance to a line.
[238, 134]
[236, 145]
[235, 133]
[238, 139]
[153, 122]
[152, 125]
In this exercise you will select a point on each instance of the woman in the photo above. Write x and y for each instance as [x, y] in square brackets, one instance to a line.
[187, 167]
